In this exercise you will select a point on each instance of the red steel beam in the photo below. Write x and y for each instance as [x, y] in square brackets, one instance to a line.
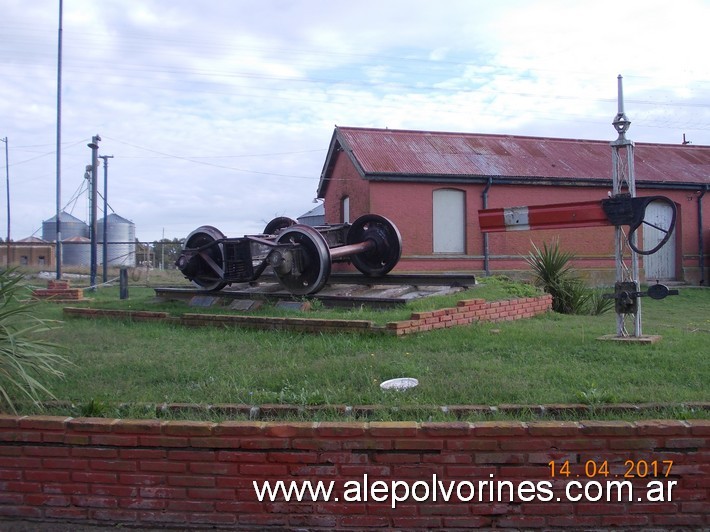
[559, 216]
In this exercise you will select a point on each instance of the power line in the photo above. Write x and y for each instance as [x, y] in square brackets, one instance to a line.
[205, 163]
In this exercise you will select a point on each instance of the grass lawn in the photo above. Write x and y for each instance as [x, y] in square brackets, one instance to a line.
[119, 367]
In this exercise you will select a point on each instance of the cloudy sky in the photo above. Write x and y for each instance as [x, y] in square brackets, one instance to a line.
[221, 112]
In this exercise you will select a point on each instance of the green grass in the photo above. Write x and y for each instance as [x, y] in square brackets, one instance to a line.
[550, 359]
[143, 297]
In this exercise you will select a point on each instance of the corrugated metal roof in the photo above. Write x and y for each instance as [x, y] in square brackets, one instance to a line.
[386, 153]
[318, 210]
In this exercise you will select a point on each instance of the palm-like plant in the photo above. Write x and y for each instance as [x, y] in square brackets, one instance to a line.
[24, 356]
[555, 275]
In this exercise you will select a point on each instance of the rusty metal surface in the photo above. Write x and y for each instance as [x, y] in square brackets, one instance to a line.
[421, 153]
[557, 216]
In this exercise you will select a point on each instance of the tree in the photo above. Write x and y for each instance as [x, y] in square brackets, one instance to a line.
[166, 252]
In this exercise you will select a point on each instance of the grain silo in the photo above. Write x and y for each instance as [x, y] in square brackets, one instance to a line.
[70, 227]
[76, 251]
[121, 239]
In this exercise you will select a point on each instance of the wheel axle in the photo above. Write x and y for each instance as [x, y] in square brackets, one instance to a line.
[301, 256]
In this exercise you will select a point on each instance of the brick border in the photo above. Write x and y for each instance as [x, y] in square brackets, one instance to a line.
[473, 310]
[200, 474]
[466, 312]
[277, 412]
[58, 291]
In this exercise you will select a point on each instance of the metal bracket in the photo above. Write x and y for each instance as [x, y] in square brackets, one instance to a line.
[623, 209]
[627, 293]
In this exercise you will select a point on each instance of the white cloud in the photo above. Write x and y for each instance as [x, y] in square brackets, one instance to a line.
[221, 113]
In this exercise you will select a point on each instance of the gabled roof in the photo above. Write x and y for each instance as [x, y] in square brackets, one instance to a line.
[318, 210]
[388, 154]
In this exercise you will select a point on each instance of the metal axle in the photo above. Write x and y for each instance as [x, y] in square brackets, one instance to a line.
[352, 249]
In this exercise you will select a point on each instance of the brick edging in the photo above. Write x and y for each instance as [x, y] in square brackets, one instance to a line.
[15, 427]
[195, 474]
[472, 310]
[465, 313]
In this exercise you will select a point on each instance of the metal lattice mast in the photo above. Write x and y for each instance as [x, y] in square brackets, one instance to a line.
[624, 183]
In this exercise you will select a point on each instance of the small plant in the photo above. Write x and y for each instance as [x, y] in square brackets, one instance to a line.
[555, 275]
[551, 266]
[24, 357]
[315, 304]
[94, 408]
[598, 304]
[593, 396]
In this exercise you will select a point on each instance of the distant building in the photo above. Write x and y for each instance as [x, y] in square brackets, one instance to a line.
[31, 251]
[314, 217]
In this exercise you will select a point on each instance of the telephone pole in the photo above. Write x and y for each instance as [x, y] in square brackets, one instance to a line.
[105, 231]
[94, 145]
[59, 144]
[7, 173]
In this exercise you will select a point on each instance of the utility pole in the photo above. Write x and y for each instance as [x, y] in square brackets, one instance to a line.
[59, 144]
[94, 145]
[105, 231]
[7, 173]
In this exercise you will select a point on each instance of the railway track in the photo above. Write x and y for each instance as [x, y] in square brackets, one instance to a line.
[342, 290]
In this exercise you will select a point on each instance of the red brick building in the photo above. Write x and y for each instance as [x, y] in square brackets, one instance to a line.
[432, 184]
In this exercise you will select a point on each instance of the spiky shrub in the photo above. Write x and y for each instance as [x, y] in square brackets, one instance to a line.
[550, 265]
[25, 357]
[555, 275]
[598, 304]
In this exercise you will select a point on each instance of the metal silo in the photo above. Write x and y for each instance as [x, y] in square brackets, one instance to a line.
[121, 239]
[76, 251]
[70, 227]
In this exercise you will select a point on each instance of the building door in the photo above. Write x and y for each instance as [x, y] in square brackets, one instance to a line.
[449, 221]
[660, 265]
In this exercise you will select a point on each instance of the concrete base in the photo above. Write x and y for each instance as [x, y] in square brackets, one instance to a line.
[203, 301]
[245, 305]
[643, 339]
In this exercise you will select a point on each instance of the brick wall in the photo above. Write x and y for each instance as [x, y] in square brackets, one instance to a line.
[472, 310]
[466, 312]
[58, 290]
[350, 185]
[196, 474]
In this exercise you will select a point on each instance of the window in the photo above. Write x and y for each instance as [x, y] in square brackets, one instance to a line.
[345, 209]
[449, 221]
